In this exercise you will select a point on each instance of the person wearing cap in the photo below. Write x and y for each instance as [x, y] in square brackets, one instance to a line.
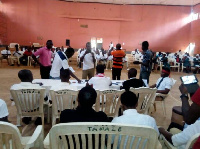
[196, 63]
[3, 111]
[164, 83]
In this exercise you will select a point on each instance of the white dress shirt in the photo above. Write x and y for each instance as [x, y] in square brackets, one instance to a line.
[100, 82]
[87, 61]
[131, 116]
[3, 109]
[166, 83]
[58, 63]
[180, 140]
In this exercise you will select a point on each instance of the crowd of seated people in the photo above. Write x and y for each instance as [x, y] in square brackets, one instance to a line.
[87, 98]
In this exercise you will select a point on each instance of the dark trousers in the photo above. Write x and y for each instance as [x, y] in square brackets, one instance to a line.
[145, 75]
[116, 73]
[45, 72]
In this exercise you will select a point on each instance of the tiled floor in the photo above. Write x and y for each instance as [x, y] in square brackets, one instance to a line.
[8, 77]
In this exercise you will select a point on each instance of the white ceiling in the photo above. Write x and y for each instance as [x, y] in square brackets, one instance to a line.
[151, 2]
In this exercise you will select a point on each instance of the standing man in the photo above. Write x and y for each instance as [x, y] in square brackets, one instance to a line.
[61, 62]
[45, 59]
[118, 54]
[146, 63]
[88, 59]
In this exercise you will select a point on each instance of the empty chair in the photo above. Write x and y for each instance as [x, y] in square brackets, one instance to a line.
[146, 98]
[61, 100]
[10, 137]
[100, 135]
[108, 102]
[29, 103]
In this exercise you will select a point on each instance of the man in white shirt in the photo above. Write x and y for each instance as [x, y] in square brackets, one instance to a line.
[61, 62]
[26, 78]
[164, 83]
[99, 81]
[5, 53]
[3, 111]
[129, 102]
[180, 140]
[110, 58]
[88, 59]
[65, 83]
[16, 55]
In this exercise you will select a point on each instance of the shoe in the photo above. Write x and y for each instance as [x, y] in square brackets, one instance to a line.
[38, 121]
[12, 65]
[26, 120]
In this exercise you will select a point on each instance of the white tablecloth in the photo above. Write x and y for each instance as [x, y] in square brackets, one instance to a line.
[48, 83]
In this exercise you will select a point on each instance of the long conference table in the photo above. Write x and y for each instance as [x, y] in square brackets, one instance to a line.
[48, 83]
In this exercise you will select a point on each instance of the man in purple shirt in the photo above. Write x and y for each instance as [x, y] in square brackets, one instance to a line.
[45, 59]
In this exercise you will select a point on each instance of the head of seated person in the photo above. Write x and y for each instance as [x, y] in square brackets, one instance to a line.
[87, 97]
[100, 69]
[25, 75]
[132, 73]
[69, 52]
[165, 72]
[129, 100]
[65, 75]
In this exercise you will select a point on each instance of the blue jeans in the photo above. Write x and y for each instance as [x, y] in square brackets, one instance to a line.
[145, 75]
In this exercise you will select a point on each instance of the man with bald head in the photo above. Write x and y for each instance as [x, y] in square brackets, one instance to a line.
[132, 82]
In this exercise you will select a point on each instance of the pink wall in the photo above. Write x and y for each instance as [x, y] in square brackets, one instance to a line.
[163, 26]
[195, 30]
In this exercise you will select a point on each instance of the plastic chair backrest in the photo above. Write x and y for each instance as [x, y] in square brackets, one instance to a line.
[104, 135]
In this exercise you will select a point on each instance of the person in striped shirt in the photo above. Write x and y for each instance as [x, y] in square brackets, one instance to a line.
[118, 55]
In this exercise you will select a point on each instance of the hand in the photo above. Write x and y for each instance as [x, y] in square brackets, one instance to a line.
[136, 62]
[183, 89]
[79, 81]
[161, 130]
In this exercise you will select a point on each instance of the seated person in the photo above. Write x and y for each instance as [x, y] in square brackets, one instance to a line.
[26, 78]
[61, 62]
[186, 63]
[180, 140]
[99, 81]
[24, 59]
[190, 113]
[129, 102]
[65, 83]
[196, 62]
[132, 82]
[5, 53]
[84, 112]
[3, 111]
[164, 59]
[164, 83]
[109, 59]
[16, 55]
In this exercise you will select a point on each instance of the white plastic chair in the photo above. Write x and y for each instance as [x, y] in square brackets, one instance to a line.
[61, 100]
[12, 45]
[108, 102]
[176, 65]
[29, 103]
[146, 98]
[189, 144]
[162, 97]
[10, 137]
[36, 45]
[96, 134]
